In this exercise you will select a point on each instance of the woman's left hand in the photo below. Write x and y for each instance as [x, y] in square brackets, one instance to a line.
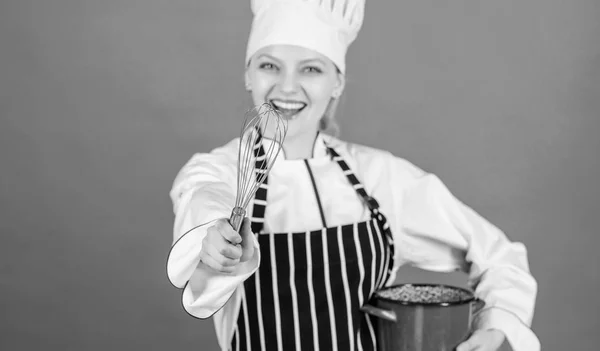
[483, 340]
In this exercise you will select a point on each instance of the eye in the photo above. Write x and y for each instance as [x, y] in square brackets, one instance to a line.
[267, 66]
[312, 69]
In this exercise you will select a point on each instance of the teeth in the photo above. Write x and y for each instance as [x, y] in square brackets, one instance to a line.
[282, 105]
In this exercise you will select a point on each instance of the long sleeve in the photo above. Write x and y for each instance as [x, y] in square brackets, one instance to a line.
[204, 191]
[432, 230]
[441, 233]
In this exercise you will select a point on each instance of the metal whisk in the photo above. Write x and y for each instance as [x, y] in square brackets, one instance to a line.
[260, 122]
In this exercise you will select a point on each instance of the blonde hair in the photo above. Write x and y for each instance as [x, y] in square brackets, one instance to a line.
[328, 124]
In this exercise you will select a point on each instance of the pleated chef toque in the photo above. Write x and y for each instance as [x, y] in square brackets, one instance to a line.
[325, 26]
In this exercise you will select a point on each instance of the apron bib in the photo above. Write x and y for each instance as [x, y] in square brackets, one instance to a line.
[309, 287]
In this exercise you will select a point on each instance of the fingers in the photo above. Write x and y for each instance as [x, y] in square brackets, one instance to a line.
[471, 344]
[218, 252]
[464, 347]
[225, 229]
[223, 248]
[214, 264]
[480, 340]
[225, 253]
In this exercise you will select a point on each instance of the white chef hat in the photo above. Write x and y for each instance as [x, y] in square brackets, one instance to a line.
[325, 26]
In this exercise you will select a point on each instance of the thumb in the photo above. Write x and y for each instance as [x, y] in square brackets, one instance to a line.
[478, 341]
[468, 344]
[247, 240]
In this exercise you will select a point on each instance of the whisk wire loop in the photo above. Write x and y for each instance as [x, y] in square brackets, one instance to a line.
[255, 162]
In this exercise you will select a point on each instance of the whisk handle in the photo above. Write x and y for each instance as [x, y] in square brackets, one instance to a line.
[237, 216]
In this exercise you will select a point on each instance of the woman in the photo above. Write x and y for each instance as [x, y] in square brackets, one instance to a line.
[335, 220]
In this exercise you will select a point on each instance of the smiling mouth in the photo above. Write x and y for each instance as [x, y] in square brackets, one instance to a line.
[288, 109]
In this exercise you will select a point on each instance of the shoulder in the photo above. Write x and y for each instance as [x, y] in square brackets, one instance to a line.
[223, 155]
[218, 164]
[369, 159]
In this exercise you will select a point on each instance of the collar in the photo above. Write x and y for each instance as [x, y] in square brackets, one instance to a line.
[320, 148]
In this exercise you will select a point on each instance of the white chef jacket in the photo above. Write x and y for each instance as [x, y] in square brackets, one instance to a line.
[432, 230]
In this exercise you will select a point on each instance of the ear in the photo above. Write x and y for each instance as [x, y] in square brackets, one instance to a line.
[339, 85]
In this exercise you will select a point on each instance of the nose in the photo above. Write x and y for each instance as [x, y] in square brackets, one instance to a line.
[288, 82]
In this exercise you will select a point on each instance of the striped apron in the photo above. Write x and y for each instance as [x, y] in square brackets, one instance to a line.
[309, 287]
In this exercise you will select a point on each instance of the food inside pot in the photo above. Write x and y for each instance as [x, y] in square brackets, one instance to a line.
[425, 294]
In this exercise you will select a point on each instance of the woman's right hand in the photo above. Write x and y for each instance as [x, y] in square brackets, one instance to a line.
[223, 248]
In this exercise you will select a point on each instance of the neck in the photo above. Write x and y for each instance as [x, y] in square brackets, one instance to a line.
[299, 147]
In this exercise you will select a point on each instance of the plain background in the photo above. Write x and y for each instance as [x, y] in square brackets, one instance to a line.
[102, 102]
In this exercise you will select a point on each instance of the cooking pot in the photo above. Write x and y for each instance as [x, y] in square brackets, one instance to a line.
[422, 317]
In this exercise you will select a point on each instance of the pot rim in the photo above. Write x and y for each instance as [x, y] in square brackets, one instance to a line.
[472, 297]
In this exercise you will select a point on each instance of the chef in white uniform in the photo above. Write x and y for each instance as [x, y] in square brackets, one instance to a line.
[334, 220]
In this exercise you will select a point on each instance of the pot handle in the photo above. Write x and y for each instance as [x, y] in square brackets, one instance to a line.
[380, 312]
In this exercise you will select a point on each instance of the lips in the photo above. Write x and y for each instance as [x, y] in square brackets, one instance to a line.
[289, 109]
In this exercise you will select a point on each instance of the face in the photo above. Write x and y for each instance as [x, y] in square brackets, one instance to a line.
[297, 81]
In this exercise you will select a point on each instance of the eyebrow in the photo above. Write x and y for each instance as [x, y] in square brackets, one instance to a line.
[316, 59]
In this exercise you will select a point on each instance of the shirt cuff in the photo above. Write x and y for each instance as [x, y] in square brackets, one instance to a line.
[518, 334]
[208, 290]
[205, 291]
